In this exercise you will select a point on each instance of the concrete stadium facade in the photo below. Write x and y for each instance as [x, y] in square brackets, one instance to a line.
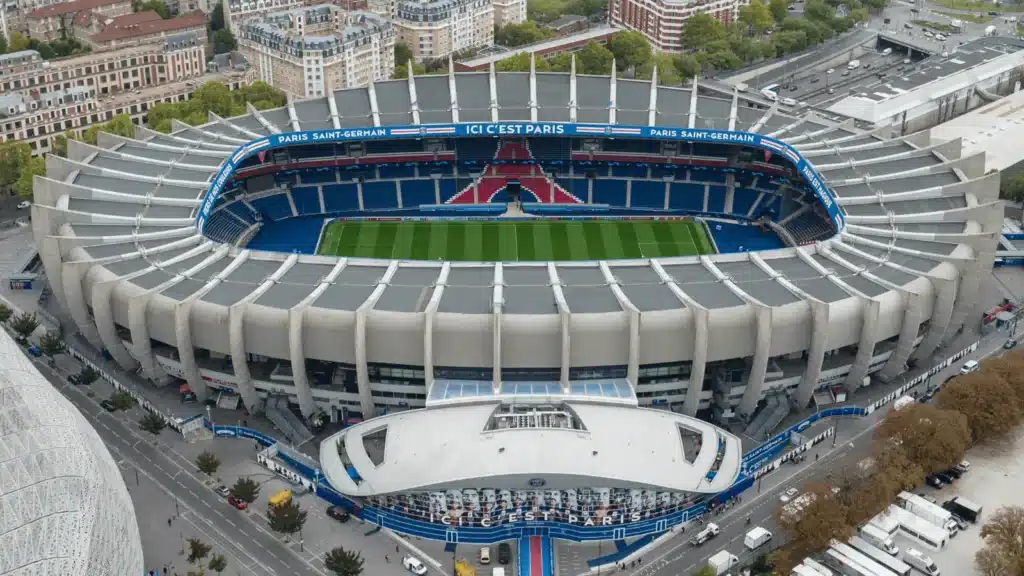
[115, 225]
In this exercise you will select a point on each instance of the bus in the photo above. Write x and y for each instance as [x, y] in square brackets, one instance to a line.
[921, 530]
[861, 559]
[893, 563]
[847, 566]
[801, 570]
[810, 563]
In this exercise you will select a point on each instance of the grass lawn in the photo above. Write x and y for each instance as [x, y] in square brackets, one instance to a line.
[522, 241]
[976, 18]
[940, 26]
[974, 5]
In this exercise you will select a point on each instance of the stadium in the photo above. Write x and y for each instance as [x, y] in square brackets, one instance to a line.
[532, 259]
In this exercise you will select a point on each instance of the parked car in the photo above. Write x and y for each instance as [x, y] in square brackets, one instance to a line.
[815, 80]
[954, 472]
[964, 466]
[338, 513]
[504, 553]
[108, 406]
[970, 366]
[73, 378]
[946, 478]
[789, 494]
[222, 490]
[1010, 342]
[414, 565]
[239, 504]
[24, 204]
[933, 481]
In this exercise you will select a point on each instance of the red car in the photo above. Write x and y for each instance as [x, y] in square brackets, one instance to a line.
[240, 504]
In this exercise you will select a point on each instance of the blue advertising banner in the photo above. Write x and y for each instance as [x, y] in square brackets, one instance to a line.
[496, 129]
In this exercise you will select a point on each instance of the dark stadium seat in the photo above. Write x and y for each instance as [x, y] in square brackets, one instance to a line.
[341, 197]
[385, 172]
[743, 200]
[716, 199]
[417, 192]
[686, 196]
[274, 207]
[647, 194]
[611, 192]
[742, 238]
[318, 176]
[241, 210]
[476, 149]
[392, 146]
[629, 172]
[809, 227]
[379, 195]
[296, 235]
[707, 176]
[550, 148]
[307, 199]
[223, 227]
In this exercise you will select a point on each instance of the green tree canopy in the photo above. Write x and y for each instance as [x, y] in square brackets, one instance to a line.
[521, 34]
[344, 562]
[700, 30]
[594, 59]
[157, 6]
[757, 16]
[402, 54]
[688, 65]
[779, 9]
[217, 98]
[286, 518]
[224, 41]
[17, 42]
[630, 49]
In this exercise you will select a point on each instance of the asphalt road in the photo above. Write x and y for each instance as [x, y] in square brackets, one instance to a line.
[853, 443]
[262, 552]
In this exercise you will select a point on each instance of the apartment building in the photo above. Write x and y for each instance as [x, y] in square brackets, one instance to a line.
[661, 21]
[236, 11]
[435, 29]
[55, 21]
[509, 12]
[39, 127]
[310, 50]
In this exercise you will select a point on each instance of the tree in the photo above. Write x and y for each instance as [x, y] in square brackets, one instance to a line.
[1009, 369]
[36, 166]
[157, 6]
[5, 313]
[286, 518]
[246, 490]
[224, 41]
[122, 400]
[779, 9]
[982, 398]
[24, 325]
[121, 125]
[14, 156]
[687, 65]
[788, 41]
[813, 527]
[700, 30]
[929, 436]
[87, 376]
[521, 34]
[207, 463]
[217, 98]
[757, 16]
[51, 344]
[60, 144]
[17, 43]
[517, 63]
[197, 550]
[594, 59]
[3, 44]
[402, 53]
[1003, 554]
[402, 71]
[152, 423]
[217, 17]
[1012, 188]
[217, 563]
[344, 562]
[630, 49]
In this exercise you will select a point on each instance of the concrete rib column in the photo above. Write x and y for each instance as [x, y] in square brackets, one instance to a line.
[942, 311]
[296, 342]
[186, 353]
[497, 309]
[762, 352]
[912, 317]
[74, 299]
[633, 318]
[820, 314]
[239, 358]
[429, 313]
[967, 298]
[564, 316]
[698, 367]
[104, 317]
[139, 327]
[362, 370]
[866, 347]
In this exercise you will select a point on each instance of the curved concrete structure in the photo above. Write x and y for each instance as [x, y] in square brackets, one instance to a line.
[115, 225]
[65, 508]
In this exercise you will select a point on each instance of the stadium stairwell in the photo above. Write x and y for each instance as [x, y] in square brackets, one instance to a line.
[536, 556]
[531, 177]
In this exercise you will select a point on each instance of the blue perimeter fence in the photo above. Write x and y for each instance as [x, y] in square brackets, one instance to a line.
[757, 463]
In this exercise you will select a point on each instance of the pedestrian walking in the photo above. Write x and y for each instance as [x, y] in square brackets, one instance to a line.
[387, 559]
[396, 549]
[168, 521]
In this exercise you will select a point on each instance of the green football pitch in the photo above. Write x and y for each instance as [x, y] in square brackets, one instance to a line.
[521, 241]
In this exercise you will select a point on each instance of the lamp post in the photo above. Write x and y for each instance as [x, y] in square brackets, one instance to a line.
[209, 416]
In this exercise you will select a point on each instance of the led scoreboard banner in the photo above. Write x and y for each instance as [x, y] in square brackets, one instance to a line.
[497, 129]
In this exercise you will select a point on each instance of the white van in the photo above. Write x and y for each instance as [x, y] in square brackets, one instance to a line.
[969, 366]
[770, 95]
[485, 555]
[887, 51]
[879, 538]
[921, 562]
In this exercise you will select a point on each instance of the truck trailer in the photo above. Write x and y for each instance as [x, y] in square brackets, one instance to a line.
[722, 561]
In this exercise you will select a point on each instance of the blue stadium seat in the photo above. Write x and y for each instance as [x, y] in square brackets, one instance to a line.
[296, 235]
[274, 207]
[450, 187]
[341, 197]
[392, 146]
[647, 194]
[638, 146]
[611, 192]
[319, 176]
[684, 196]
[307, 199]
[707, 176]
[417, 192]
[629, 172]
[679, 173]
[385, 172]
[241, 210]
[716, 199]
[575, 186]
[286, 178]
[442, 169]
[742, 238]
[379, 196]
[476, 149]
[743, 200]
[770, 202]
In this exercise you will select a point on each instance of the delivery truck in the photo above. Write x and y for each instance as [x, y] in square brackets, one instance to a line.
[704, 535]
[756, 538]
[722, 561]
[990, 31]
[963, 508]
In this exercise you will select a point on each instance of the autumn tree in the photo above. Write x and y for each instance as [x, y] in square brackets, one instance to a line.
[986, 400]
[1003, 554]
[344, 562]
[52, 344]
[866, 492]
[1010, 368]
[197, 550]
[929, 436]
[811, 528]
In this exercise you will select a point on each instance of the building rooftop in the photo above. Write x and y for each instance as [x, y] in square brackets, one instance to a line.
[118, 29]
[62, 8]
[540, 48]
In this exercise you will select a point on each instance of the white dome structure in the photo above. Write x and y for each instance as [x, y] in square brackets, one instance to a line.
[64, 508]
